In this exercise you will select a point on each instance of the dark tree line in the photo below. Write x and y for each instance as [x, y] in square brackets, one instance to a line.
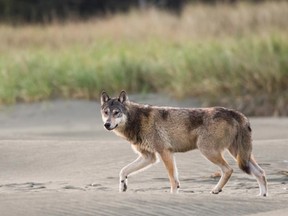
[47, 10]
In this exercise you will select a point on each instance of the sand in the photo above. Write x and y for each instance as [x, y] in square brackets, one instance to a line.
[56, 159]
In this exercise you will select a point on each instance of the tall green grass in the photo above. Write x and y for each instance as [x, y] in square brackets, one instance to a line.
[244, 69]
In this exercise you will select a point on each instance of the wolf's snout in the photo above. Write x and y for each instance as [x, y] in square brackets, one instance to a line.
[110, 126]
[107, 125]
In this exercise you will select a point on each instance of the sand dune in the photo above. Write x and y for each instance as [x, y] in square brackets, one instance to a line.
[56, 159]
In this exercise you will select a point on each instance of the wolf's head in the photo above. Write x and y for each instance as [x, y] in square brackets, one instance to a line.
[113, 110]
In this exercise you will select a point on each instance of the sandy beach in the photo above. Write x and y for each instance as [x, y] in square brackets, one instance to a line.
[57, 159]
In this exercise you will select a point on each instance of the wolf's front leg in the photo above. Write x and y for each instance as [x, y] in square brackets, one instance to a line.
[170, 164]
[140, 163]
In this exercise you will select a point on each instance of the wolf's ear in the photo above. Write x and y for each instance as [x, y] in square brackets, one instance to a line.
[123, 97]
[104, 97]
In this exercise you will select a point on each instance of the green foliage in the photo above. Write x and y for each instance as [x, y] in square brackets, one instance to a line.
[211, 69]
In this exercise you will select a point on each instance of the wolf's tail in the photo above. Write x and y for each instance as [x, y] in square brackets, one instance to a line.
[242, 146]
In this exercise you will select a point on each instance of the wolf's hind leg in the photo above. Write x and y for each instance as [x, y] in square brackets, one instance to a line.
[259, 174]
[170, 164]
[226, 170]
[140, 163]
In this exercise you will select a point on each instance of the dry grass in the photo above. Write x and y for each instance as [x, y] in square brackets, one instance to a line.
[197, 22]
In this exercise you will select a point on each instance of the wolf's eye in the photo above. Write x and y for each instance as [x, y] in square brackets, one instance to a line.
[116, 113]
[106, 112]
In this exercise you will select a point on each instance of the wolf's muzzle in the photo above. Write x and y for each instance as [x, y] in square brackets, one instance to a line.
[107, 125]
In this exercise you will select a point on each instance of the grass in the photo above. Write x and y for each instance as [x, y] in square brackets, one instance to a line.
[235, 56]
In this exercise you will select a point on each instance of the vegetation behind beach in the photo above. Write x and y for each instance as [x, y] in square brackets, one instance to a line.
[231, 55]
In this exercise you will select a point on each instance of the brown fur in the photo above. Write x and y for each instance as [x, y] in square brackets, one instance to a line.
[166, 130]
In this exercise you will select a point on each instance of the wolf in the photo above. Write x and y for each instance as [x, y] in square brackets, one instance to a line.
[155, 131]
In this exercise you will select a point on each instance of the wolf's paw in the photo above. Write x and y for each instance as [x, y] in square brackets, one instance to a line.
[263, 195]
[123, 185]
[216, 191]
[175, 190]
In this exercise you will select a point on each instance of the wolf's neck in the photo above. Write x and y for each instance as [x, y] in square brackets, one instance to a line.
[137, 114]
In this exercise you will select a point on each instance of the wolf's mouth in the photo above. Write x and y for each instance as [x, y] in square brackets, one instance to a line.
[109, 128]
